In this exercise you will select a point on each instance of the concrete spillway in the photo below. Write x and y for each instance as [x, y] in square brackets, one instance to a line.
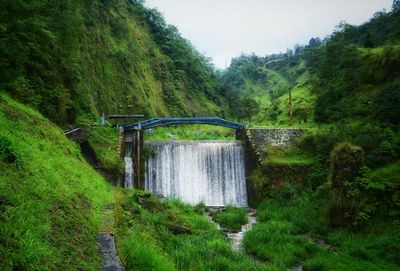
[211, 172]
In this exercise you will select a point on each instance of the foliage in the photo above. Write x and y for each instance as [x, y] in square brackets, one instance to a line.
[190, 132]
[376, 193]
[170, 235]
[8, 154]
[267, 81]
[350, 75]
[74, 60]
[249, 108]
[346, 163]
[104, 141]
[380, 143]
[231, 218]
[294, 231]
[356, 71]
[286, 156]
[51, 199]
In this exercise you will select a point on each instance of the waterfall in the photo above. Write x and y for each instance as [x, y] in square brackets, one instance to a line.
[211, 172]
[128, 166]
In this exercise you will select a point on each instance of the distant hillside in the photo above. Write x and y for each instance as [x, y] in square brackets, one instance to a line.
[73, 60]
[351, 75]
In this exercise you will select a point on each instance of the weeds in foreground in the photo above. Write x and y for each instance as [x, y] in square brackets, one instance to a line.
[294, 231]
[174, 236]
[231, 217]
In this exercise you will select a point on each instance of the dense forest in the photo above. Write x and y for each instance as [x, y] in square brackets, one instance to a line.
[64, 63]
[74, 60]
[351, 75]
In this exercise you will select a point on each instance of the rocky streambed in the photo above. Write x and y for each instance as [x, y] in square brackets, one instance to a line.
[235, 237]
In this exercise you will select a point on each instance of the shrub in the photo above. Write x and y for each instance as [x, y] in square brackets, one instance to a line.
[8, 153]
[232, 217]
[346, 163]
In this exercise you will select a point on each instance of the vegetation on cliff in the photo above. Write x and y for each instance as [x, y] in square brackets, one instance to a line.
[351, 75]
[73, 60]
[51, 199]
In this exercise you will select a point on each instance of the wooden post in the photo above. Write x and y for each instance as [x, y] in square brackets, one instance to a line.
[290, 108]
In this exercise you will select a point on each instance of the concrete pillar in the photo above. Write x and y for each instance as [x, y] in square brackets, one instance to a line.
[138, 142]
[250, 164]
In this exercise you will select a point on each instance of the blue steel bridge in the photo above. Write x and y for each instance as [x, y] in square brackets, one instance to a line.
[160, 122]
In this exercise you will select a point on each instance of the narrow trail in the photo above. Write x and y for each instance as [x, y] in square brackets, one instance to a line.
[106, 242]
[108, 252]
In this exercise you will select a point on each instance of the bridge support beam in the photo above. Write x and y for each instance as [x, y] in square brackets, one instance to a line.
[133, 139]
[137, 149]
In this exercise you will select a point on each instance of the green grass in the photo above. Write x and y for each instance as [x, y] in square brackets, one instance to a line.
[286, 156]
[275, 242]
[113, 60]
[142, 253]
[191, 132]
[231, 218]
[292, 226]
[104, 141]
[171, 235]
[387, 175]
[51, 199]
[303, 105]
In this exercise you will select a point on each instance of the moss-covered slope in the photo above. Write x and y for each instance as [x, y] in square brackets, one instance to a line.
[51, 200]
[73, 60]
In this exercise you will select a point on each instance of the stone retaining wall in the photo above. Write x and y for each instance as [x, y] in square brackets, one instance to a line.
[255, 141]
[275, 137]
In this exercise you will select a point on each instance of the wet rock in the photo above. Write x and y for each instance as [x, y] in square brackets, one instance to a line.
[108, 252]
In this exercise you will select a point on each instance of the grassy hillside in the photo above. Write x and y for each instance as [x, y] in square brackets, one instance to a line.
[53, 204]
[268, 83]
[351, 76]
[74, 60]
[346, 90]
[293, 231]
[51, 199]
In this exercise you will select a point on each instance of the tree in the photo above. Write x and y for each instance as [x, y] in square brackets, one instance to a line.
[368, 42]
[290, 108]
[249, 108]
[314, 42]
[346, 163]
[396, 5]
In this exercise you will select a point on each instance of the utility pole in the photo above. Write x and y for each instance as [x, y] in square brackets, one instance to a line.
[138, 156]
[290, 108]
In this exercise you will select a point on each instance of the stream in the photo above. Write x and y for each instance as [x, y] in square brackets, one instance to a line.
[235, 238]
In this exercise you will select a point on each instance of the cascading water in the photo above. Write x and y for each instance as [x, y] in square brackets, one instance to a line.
[211, 172]
[128, 166]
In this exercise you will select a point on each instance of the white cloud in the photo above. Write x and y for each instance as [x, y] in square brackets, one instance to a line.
[222, 29]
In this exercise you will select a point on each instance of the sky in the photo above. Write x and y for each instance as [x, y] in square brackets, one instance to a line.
[223, 29]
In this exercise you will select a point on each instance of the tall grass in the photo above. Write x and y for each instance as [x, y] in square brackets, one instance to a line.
[294, 231]
[231, 218]
[104, 141]
[51, 199]
[176, 235]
